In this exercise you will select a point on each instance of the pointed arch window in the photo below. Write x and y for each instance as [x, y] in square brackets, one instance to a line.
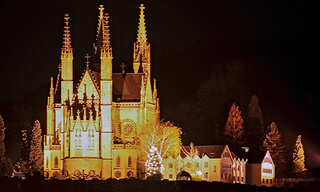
[47, 162]
[129, 161]
[56, 162]
[118, 161]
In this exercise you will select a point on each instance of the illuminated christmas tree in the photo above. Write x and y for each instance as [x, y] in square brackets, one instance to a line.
[154, 164]
[298, 157]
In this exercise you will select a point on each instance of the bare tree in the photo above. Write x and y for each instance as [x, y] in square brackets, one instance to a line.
[165, 136]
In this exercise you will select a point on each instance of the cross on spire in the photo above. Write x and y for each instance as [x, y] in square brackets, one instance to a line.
[87, 62]
[101, 11]
[87, 57]
[122, 67]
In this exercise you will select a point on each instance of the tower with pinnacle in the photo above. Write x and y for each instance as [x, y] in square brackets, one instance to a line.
[93, 125]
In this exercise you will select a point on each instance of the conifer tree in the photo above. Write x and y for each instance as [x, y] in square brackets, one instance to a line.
[254, 124]
[6, 167]
[25, 147]
[2, 148]
[36, 153]
[2, 135]
[298, 157]
[273, 143]
[154, 164]
[234, 125]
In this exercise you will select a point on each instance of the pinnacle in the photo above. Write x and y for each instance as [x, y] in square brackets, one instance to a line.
[142, 33]
[66, 48]
[103, 35]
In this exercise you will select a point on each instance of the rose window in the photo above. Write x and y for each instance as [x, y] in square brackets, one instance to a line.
[117, 174]
[127, 129]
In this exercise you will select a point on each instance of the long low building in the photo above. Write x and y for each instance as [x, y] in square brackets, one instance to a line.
[208, 163]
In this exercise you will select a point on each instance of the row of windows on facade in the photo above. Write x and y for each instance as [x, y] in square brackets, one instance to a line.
[91, 134]
[229, 177]
[118, 162]
[55, 164]
[78, 143]
[267, 181]
[188, 165]
[267, 171]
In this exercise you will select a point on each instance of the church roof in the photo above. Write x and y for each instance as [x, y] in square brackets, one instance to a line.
[212, 151]
[125, 87]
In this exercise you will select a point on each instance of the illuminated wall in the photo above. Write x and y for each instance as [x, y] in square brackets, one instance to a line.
[207, 168]
[92, 127]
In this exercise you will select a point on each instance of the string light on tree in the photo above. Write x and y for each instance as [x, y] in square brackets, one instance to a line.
[154, 164]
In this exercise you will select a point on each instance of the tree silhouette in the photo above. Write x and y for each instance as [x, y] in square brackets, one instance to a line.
[254, 130]
[36, 153]
[6, 166]
[234, 125]
[273, 143]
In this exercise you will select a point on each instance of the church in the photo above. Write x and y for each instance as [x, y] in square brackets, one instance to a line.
[93, 123]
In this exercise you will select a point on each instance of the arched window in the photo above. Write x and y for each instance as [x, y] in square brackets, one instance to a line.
[56, 162]
[170, 165]
[118, 161]
[129, 161]
[47, 162]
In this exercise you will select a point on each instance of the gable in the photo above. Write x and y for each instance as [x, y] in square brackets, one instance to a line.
[267, 158]
[87, 86]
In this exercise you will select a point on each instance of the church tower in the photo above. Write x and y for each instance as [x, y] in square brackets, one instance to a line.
[66, 64]
[141, 48]
[106, 93]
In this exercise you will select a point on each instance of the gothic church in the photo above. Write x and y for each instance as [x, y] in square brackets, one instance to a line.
[93, 124]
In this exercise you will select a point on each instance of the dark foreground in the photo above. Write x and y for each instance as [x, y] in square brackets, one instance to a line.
[112, 185]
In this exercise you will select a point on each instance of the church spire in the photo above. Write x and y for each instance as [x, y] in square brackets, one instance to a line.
[66, 47]
[142, 33]
[66, 63]
[106, 45]
[141, 52]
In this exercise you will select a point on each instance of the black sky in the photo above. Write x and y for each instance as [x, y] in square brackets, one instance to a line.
[188, 40]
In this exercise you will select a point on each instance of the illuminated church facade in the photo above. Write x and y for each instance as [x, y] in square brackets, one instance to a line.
[93, 123]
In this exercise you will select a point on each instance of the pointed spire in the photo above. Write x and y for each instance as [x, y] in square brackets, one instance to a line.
[141, 48]
[66, 48]
[103, 35]
[106, 45]
[51, 87]
[154, 91]
[142, 33]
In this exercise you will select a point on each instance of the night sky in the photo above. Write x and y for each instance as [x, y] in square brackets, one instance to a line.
[189, 39]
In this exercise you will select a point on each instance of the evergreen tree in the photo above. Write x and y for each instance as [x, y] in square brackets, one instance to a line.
[6, 167]
[273, 143]
[254, 124]
[234, 125]
[36, 152]
[25, 147]
[298, 158]
[3, 160]
[2, 135]
[154, 164]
